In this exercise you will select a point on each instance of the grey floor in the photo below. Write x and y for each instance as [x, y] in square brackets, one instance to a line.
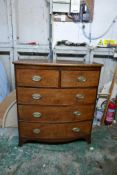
[76, 158]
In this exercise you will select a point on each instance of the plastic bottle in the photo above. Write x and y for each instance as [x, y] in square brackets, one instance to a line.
[116, 110]
[110, 113]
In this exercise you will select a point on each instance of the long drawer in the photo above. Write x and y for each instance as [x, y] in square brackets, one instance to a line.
[37, 78]
[79, 78]
[55, 131]
[54, 114]
[56, 96]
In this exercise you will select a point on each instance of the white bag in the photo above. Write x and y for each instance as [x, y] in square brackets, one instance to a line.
[4, 84]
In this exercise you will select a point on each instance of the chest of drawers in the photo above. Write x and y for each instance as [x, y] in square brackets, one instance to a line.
[55, 101]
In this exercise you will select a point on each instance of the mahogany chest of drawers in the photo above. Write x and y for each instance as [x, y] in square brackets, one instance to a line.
[55, 101]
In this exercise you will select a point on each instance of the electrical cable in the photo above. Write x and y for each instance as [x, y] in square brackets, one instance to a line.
[95, 38]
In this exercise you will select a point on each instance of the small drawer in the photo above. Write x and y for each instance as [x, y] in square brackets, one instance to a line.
[37, 78]
[55, 131]
[80, 78]
[56, 96]
[55, 114]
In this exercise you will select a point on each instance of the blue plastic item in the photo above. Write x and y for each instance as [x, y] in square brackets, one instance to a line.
[4, 84]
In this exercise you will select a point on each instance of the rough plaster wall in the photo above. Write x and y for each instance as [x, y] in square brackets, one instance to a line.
[32, 18]
[104, 12]
[4, 34]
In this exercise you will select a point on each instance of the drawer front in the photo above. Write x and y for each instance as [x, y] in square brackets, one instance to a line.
[56, 96]
[37, 78]
[55, 131]
[55, 114]
[79, 78]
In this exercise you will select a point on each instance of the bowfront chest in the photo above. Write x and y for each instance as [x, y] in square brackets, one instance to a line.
[55, 101]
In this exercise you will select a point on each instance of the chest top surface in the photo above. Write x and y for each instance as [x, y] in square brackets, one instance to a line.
[64, 63]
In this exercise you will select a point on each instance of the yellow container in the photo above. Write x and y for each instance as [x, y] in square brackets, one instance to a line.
[106, 42]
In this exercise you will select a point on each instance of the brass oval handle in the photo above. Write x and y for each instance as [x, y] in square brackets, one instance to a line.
[37, 114]
[76, 130]
[80, 96]
[36, 78]
[36, 96]
[77, 113]
[82, 79]
[36, 131]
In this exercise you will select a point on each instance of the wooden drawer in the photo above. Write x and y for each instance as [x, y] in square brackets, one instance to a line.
[54, 114]
[37, 78]
[55, 131]
[79, 78]
[56, 96]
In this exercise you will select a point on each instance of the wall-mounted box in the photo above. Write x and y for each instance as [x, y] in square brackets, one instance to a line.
[75, 6]
[62, 1]
[61, 7]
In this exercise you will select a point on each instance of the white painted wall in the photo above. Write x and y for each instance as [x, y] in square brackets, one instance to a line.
[32, 21]
[21, 22]
[104, 12]
[4, 32]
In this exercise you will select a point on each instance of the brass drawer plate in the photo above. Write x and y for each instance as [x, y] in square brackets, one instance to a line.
[37, 114]
[36, 131]
[81, 79]
[36, 78]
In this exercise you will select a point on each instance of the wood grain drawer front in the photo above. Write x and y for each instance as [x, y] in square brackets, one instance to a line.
[55, 131]
[37, 78]
[79, 78]
[56, 96]
[54, 114]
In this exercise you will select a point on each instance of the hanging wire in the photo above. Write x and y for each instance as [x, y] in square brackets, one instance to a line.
[95, 38]
[90, 38]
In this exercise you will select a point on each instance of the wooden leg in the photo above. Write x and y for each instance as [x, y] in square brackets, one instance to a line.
[88, 139]
[21, 141]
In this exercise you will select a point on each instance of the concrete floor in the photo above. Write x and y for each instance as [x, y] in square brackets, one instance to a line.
[76, 158]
